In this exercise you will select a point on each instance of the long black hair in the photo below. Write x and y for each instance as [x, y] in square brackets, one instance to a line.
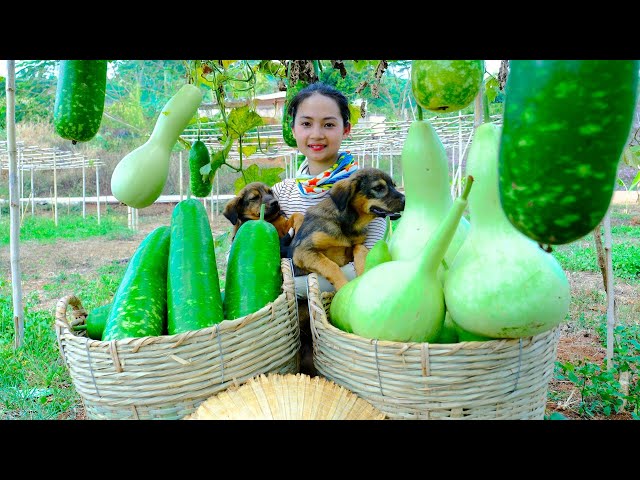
[322, 89]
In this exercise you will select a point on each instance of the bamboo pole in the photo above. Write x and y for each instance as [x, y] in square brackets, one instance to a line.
[611, 317]
[84, 189]
[55, 190]
[33, 195]
[98, 194]
[21, 173]
[14, 207]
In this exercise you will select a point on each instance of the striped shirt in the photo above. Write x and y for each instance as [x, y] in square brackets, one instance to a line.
[292, 201]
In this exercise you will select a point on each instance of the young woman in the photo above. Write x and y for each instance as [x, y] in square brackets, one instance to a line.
[320, 122]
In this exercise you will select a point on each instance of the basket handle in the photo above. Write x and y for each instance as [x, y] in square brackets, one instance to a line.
[79, 313]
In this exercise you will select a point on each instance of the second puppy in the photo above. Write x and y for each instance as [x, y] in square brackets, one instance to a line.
[333, 231]
[246, 206]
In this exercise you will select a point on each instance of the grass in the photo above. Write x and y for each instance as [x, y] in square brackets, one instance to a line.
[35, 383]
[70, 227]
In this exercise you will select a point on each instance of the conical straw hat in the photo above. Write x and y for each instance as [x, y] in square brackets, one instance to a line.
[286, 397]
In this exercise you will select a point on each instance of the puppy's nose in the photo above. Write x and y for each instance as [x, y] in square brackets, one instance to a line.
[272, 203]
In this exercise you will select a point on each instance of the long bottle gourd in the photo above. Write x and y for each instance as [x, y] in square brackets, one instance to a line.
[425, 170]
[501, 283]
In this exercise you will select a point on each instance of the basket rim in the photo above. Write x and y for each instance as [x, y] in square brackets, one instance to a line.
[63, 327]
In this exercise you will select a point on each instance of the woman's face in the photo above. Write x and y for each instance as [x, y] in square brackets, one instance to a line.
[319, 131]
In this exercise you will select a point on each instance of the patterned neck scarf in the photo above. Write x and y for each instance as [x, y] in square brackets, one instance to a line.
[310, 185]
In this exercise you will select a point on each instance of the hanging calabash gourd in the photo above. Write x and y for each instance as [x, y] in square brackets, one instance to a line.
[446, 85]
[138, 179]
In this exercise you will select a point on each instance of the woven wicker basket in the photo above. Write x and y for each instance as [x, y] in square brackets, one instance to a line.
[286, 397]
[167, 377]
[496, 379]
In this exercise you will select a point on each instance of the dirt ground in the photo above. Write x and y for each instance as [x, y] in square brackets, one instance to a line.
[41, 263]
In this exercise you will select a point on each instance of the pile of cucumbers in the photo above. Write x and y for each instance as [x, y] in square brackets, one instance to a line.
[171, 284]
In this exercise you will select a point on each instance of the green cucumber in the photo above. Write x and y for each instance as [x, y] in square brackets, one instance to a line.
[193, 286]
[79, 103]
[565, 125]
[253, 276]
[198, 157]
[95, 322]
[287, 131]
[140, 303]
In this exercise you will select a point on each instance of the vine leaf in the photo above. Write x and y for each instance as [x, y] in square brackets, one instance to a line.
[253, 173]
[248, 150]
[631, 156]
[492, 88]
[241, 120]
[354, 115]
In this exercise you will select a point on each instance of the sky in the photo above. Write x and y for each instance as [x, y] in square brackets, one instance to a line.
[492, 66]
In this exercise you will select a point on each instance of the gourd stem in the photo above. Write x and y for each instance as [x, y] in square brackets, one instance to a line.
[419, 109]
[262, 212]
[437, 245]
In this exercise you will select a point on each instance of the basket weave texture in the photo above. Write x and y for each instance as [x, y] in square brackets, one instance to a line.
[496, 379]
[168, 377]
[286, 397]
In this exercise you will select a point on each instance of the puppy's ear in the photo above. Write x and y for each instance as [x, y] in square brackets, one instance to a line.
[342, 193]
[231, 210]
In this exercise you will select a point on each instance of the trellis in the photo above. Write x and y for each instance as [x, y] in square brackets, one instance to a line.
[33, 158]
[369, 140]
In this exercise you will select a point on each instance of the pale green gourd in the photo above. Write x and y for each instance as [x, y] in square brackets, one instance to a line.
[425, 170]
[138, 179]
[501, 283]
[401, 300]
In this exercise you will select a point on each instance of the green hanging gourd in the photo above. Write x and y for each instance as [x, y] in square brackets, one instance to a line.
[199, 156]
[566, 123]
[79, 103]
[287, 131]
[446, 85]
[501, 283]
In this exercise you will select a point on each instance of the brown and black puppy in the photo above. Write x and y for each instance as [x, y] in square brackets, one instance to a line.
[246, 206]
[333, 231]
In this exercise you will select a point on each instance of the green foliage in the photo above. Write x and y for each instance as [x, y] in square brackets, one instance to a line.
[34, 381]
[600, 389]
[625, 257]
[35, 91]
[555, 416]
[72, 227]
[253, 173]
